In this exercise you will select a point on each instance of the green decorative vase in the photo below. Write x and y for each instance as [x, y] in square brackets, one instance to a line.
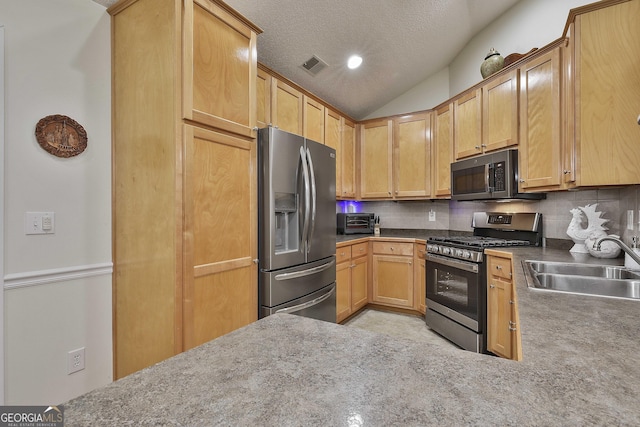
[492, 63]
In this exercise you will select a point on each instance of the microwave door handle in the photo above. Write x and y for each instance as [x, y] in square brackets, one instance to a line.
[305, 178]
[313, 200]
[489, 182]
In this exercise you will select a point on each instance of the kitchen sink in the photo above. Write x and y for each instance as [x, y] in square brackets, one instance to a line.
[584, 279]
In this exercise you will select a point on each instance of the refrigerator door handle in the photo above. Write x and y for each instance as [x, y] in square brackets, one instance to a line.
[307, 194]
[307, 272]
[313, 200]
[307, 304]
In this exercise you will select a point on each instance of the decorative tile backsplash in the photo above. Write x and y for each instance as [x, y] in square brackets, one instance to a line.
[453, 215]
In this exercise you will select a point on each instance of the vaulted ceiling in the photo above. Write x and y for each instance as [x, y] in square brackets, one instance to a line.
[402, 42]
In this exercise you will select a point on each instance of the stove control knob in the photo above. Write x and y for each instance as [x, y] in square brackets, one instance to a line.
[446, 251]
[458, 253]
[466, 254]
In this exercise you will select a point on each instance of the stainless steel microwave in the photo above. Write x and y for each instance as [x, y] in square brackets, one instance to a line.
[488, 177]
[356, 223]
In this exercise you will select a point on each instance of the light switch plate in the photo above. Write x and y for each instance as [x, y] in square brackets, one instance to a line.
[39, 222]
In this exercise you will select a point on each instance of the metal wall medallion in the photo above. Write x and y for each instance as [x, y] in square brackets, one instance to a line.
[61, 136]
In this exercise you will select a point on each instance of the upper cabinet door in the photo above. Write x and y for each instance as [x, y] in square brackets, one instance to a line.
[313, 119]
[263, 99]
[500, 112]
[468, 124]
[442, 150]
[348, 162]
[607, 95]
[540, 123]
[412, 156]
[219, 68]
[375, 159]
[286, 107]
[332, 138]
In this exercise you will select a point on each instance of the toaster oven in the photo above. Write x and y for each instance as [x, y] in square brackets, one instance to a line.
[356, 223]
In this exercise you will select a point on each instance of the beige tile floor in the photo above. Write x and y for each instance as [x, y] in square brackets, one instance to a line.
[398, 325]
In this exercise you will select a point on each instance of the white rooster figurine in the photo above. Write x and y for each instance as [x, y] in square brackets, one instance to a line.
[578, 233]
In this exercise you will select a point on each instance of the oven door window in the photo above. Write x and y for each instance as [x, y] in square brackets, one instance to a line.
[454, 285]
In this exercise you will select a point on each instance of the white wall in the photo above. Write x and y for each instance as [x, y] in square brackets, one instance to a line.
[423, 96]
[57, 287]
[528, 24]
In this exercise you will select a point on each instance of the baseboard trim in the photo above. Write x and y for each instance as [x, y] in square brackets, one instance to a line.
[45, 277]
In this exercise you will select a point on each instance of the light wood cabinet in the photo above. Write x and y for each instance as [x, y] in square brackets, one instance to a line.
[220, 210]
[348, 162]
[180, 192]
[230, 106]
[395, 158]
[442, 151]
[606, 97]
[376, 146]
[486, 118]
[313, 119]
[467, 134]
[503, 325]
[286, 107]
[419, 278]
[412, 156]
[263, 99]
[392, 274]
[500, 112]
[352, 273]
[541, 119]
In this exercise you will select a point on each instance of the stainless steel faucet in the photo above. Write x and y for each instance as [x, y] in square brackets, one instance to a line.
[627, 249]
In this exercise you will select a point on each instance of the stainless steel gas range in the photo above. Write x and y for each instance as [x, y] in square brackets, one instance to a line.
[456, 274]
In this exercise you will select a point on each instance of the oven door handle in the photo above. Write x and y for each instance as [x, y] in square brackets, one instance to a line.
[466, 266]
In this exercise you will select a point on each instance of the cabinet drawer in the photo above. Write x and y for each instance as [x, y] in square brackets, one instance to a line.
[500, 267]
[393, 248]
[343, 254]
[360, 249]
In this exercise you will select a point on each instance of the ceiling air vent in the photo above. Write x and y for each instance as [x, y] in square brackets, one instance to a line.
[314, 65]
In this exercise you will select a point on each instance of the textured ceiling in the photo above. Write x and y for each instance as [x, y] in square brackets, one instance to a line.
[402, 42]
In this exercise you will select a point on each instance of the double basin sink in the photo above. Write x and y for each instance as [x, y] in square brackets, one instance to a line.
[585, 279]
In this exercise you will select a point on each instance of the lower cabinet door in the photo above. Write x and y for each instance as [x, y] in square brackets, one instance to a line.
[343, 291]
[393, 280]
[359, 270]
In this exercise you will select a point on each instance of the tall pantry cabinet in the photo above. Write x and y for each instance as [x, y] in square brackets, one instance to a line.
[184, 177]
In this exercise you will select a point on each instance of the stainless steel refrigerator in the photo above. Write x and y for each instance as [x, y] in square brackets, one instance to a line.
[296, 226]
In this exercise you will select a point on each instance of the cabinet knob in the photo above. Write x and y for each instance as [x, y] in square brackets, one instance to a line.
[255, 261]
[492, 285]
[511, 301]
[566, 172]
[391, 248]
[483, 145]
[389, 192]
[639, 119]
[410, 263]
[522, 180]
[512, 329]
[498, 267]
[352, 265]
[396, 191]
[341, 253]
[477, 147]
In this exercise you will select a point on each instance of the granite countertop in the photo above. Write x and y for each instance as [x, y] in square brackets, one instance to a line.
[580, 367]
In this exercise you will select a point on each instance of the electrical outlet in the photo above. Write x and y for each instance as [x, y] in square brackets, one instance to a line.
[629, 219]
[432, 215]
[75, 361]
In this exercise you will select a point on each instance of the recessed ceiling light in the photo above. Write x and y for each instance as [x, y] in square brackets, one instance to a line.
[354, 61]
